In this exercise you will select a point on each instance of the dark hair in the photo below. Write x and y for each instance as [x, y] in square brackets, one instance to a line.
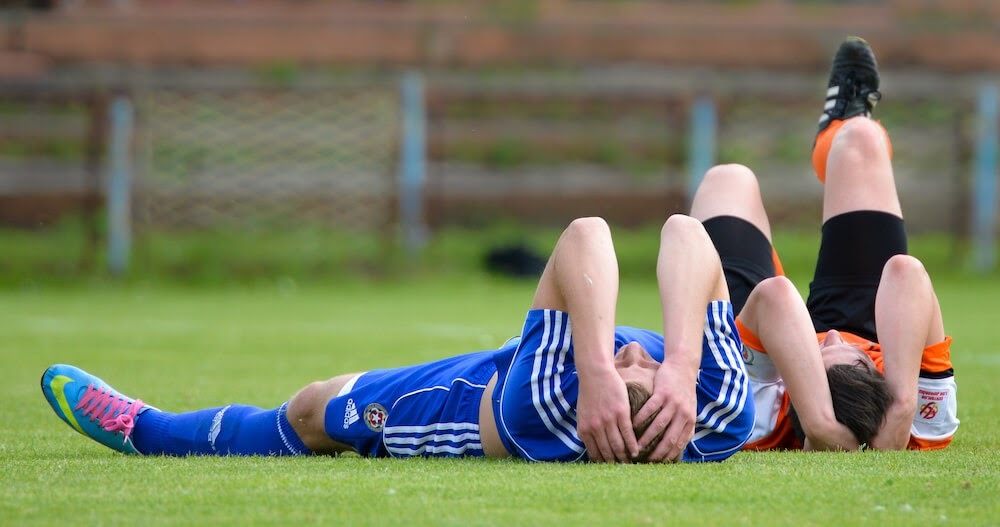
[860, 400]
[637, 396]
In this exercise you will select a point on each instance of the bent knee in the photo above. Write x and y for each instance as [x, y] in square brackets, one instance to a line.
[306, 410]
[862, 134]
[732, 176]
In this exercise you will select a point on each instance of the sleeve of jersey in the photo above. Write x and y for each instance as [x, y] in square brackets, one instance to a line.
[936, 419]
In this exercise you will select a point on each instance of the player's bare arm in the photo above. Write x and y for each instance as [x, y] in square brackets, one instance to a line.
[776, 314]
[689, 275]
[581, 278]
[908, 317]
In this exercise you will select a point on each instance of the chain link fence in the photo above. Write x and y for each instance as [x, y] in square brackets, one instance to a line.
[258, 159]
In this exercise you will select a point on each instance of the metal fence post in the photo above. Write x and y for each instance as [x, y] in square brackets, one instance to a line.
[984, 186]
[413, 161]
[119, 183]
[701, 148]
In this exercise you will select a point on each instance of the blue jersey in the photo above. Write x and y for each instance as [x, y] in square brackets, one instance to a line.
[535, 396]
[433, 409]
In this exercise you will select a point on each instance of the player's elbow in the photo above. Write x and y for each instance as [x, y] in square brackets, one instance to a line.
[589, 227]
[683, 225]
[777, 293]
[904, 266]
[684, 233]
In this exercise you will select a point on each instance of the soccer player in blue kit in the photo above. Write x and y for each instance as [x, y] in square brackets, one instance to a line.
[571, 386]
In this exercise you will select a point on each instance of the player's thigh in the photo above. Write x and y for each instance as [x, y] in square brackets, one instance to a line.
[854, 249]
[859, 172]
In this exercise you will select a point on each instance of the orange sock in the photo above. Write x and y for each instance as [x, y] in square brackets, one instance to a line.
[825, 139]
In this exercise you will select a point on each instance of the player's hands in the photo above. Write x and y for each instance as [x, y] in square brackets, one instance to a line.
[894, 433]
[672, 407]
[604, 419]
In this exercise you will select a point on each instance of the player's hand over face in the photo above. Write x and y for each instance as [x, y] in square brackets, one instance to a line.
[603, 418]
[672, 407]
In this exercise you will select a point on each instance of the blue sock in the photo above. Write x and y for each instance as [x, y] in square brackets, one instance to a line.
[234, 430]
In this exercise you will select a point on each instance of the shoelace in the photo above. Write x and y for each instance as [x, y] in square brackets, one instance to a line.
[111, 411]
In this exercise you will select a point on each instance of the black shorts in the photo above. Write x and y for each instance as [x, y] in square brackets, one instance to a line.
[855, 247]
[746, 255]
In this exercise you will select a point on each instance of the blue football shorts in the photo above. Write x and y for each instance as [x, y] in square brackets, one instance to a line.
[424, 410]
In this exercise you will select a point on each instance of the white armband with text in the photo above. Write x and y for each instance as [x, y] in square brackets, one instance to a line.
[936, 417]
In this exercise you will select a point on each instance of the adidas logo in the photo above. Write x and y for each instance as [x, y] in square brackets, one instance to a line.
[350, 414]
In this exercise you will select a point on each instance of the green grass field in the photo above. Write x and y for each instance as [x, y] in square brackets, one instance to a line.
[184, 348]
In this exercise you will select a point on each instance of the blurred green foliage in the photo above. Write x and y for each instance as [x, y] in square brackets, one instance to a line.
[61, 255]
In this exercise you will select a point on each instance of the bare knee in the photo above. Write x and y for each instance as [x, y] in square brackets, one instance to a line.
[731, 177]
[306, 412]
[731, 190]
[860, 134]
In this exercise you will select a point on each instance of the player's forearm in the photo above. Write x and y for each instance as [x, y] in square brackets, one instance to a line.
[904, 314]
[689, 275]
[776, 314]
[587, 273]
[895, 431]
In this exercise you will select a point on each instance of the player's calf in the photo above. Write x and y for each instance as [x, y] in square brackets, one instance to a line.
[95, 409]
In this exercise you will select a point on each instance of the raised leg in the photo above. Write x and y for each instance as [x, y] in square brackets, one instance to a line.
[731, 190]
[729, 204]
[859, 171]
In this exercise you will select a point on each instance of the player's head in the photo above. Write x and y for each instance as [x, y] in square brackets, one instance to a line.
[859, 392]
[637, 368]
[634, 364]
[836, 351]
[638, 394]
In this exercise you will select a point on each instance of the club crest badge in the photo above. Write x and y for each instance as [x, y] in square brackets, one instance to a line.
[375, 417]
[929, 410]
[747, 356]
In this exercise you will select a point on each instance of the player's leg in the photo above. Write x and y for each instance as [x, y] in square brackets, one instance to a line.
[307, 413]
[859, 173]
[731, 190]
[729, 205]
[95, 409]
[862, 219]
